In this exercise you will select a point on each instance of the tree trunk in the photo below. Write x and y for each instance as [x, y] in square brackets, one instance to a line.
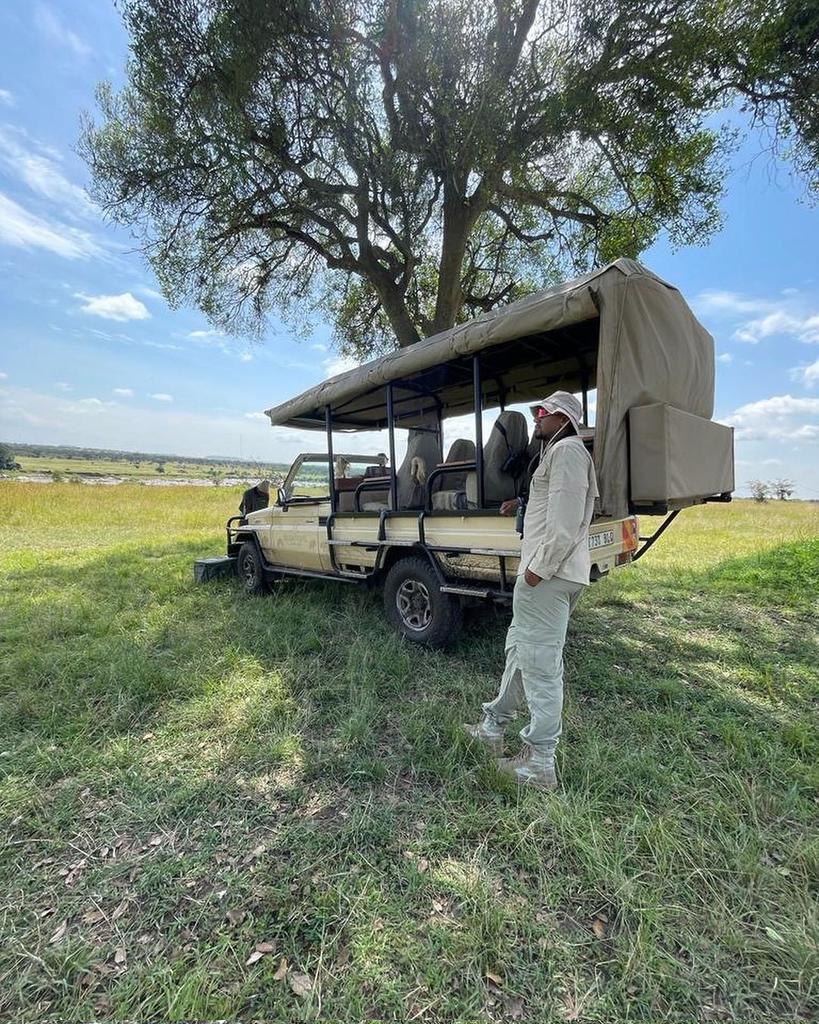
[457, 222]
[393, 304]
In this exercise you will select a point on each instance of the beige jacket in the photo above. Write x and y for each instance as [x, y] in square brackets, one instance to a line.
[560, 509]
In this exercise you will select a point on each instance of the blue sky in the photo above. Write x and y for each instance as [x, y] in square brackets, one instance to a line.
[90, 353]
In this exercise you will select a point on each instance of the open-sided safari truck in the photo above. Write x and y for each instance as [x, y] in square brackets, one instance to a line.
[428, 530]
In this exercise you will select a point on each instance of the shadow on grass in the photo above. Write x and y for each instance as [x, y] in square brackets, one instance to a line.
[299, 733]
[124, 644]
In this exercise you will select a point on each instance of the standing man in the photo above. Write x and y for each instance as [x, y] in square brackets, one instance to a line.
[554, 569]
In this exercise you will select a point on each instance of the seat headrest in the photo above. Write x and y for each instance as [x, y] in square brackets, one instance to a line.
[423, 453]
[461, 450]
[509, 435]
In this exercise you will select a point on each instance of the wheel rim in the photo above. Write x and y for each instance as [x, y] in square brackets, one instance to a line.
[414, 605]
[248, 571]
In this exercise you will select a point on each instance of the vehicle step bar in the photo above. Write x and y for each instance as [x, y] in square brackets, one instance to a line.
[464, 591]
[495, 552]
[368, 545]
[445, 549]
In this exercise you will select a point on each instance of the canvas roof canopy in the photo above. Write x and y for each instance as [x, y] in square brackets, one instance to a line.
[620, 329]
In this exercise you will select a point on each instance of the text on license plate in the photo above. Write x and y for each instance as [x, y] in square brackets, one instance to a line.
[600, 540]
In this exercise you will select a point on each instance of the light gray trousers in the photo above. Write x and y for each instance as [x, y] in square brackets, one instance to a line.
[534, 660]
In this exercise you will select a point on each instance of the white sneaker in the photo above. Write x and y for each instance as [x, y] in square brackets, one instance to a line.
[530, 769]
[488, 732]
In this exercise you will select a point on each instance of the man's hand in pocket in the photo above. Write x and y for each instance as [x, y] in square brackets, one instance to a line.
[532, 578]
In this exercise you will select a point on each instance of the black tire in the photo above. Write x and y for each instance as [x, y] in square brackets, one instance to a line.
[250, 570]
[416, 607]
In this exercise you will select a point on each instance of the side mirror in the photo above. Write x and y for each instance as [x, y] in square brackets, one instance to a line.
[281, 497]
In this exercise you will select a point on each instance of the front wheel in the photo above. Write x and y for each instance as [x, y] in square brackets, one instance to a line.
[250, 570]
[416, 607]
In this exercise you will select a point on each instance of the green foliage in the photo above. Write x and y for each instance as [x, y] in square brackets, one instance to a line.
[400, 167]
[187, 773]
[7, 459]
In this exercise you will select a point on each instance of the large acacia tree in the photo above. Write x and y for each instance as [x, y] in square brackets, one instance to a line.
[400, 165]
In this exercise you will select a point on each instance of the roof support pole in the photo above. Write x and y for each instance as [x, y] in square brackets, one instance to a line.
[440, 435]
[328, 419]
[391, 427]
[585, 402]
[478, 402]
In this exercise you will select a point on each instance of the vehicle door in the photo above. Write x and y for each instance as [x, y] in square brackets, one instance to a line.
[298, 531]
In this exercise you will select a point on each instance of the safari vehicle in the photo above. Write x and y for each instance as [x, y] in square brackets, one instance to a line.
[428, 531]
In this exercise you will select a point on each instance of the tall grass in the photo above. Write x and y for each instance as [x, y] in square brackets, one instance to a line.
[186, 773]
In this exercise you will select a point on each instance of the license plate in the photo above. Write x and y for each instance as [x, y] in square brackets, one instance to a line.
[600, 540]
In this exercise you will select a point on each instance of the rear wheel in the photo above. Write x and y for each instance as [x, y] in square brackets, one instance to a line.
[250, 570]
[416, 607]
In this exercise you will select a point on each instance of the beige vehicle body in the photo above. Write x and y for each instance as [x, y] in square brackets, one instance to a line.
[471, 547]
[429, 531]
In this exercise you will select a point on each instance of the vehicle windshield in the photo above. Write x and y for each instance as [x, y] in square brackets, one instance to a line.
[312, 479]
[309, 475]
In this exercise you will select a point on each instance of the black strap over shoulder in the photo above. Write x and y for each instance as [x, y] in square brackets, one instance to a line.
[515, 462]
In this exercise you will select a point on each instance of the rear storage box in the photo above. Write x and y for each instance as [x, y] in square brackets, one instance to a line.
[676, 458]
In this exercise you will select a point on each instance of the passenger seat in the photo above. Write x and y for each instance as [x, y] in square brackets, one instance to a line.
[449, 489]
[423, 453]
[504, 461]
[422, 456]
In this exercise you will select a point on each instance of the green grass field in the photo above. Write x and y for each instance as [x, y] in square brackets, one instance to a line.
[261, 809]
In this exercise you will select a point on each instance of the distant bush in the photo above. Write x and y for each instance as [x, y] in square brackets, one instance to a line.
[783, 489]
[761, 490]
[7, 460]
[57, 477]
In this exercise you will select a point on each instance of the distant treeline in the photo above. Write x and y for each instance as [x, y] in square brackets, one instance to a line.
[65, 452]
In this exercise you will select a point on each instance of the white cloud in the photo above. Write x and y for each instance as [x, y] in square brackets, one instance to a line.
[27, 415]
[42, 174]
[779, 418]
[338, 364]
[86, 406]
[162, 345]
[124, 392]
[792, 315]
[212, 338]
[160, 396]
[256, 416]
[780, 322]
[25, 230]
[56, 32]
[63, 385]
[807, 375]
[4, 376]
[201, 335]
[728, 302]
[6, 98]
[725, 357]
[114, 307]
